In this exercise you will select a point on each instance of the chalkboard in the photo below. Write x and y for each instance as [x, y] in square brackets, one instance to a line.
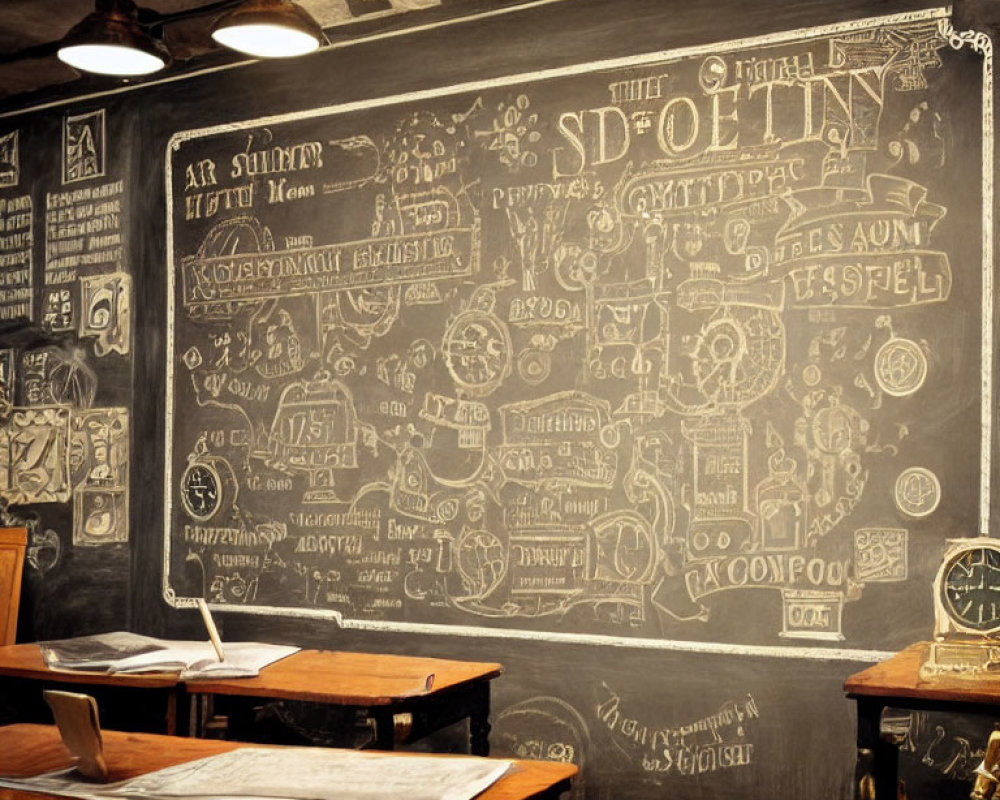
[640, 349]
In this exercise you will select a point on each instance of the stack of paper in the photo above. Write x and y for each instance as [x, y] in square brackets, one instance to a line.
[124, 652]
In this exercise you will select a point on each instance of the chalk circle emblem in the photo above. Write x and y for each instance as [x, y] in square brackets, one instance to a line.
[900, 367]
[477, 351]
[917, 491]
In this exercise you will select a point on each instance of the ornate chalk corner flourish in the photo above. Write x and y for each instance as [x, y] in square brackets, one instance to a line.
[980, 41]
[169, 595]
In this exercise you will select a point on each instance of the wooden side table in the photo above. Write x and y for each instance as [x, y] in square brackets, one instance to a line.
[896, 683]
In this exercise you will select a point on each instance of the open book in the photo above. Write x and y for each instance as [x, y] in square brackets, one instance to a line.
[124, 652]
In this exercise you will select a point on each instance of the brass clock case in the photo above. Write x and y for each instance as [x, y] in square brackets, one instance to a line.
[967, 590]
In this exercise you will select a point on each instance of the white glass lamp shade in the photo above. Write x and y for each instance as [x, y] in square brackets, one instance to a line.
[110, 42]
[268, 29]
[110, 59]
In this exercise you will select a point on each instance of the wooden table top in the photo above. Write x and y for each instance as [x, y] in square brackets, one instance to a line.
[32, 749]
[899, 676]
[363, 679]
[325, 676]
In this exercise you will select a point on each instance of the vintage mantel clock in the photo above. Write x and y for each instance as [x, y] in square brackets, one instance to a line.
[966, 609]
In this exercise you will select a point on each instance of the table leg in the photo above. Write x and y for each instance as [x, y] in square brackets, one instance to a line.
[180, 701]
[197, 706]
[479, 721]
[385, 728]
[877, 759]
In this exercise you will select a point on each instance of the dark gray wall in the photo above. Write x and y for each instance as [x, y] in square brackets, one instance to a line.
[734, 709]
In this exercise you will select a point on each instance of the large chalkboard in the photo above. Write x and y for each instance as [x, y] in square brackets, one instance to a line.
[639, 349]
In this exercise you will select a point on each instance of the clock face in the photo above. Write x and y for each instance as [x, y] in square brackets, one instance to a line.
[201, 491]
[970, 589]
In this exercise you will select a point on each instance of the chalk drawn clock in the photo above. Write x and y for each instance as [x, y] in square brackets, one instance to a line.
[207, 484]
[201, 491]
[966, 609]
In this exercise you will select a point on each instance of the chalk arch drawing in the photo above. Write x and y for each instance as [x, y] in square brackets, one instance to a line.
[547, 729]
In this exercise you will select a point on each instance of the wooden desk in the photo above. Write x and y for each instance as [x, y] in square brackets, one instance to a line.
[435, 692]
[896, 683]
[32, 749]
[25, 673]
[381, 685]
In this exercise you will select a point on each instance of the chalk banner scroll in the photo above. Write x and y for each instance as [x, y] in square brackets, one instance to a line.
[646, 348]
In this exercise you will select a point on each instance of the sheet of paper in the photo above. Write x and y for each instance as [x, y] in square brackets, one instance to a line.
[321, 774]
[64, 783]
[199, 660]
[291, 774]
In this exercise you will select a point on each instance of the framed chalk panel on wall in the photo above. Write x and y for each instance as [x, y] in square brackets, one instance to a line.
[631, 350]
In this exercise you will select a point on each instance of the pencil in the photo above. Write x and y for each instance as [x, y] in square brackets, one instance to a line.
[213, 632]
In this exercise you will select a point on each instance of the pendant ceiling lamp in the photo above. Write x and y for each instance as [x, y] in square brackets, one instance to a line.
[110, 41]
[268, 29]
